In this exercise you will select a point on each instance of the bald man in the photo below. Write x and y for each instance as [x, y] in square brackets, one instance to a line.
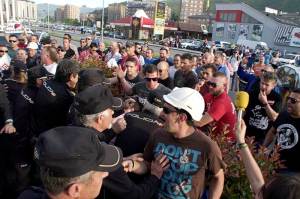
[164, 78]
[220, 115]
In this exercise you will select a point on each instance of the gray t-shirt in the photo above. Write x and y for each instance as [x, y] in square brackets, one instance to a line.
[141, 90]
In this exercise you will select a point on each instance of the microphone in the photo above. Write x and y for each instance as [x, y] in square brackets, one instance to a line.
[241, 103]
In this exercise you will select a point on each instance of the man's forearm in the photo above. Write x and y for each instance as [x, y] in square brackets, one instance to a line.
[269, 137]
[216, 185]
[271, 113]
[126, 86]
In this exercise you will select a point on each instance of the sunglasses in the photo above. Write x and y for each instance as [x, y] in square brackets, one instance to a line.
[155, 79]
[12, 41]
[167, 110]
[292, 100]
[3, 51]
[21, 39]
[212, 84]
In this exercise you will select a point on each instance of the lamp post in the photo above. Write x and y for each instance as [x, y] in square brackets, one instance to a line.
[48, 17]
[102, 21]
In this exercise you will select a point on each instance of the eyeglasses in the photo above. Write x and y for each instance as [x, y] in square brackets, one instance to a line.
[155, 79]
[12, 41]
[3, 51]
[212, 84]
[167, 110]
[292, 100]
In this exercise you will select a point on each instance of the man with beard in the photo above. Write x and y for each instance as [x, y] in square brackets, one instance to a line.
[220, 111]
[206, 73]
[286, 129]
[190, 153]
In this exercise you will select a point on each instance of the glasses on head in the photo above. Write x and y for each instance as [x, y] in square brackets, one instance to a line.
[12, 41]
[154, 79]
[3, 51]
[292, 100]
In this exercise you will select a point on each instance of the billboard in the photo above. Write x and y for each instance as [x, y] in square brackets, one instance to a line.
[159, 22]
[256, 32]
[295, 37]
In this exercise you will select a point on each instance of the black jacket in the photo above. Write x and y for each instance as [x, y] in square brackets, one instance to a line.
[52, 105]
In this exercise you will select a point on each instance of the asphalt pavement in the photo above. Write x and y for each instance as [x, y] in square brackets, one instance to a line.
[76, 36]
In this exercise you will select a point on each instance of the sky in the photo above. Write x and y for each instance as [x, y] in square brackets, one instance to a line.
[88, 3]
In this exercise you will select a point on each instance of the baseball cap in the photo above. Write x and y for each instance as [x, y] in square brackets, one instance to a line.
[91, 76]
[96, 99]
[187, 99]
[32, 45]
[64, 158]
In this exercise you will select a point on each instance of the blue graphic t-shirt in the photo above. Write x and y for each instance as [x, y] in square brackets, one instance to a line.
[189, 158]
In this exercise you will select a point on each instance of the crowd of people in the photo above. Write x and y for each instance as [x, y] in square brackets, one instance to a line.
[64, 135]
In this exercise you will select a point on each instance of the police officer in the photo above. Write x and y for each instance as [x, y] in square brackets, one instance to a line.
[54, 98]
[73, 169]
[94, 106]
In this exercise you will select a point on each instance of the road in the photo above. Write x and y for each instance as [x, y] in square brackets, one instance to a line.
[155, 47]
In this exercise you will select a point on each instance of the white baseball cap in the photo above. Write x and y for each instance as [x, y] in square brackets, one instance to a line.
[187, 99]
[32, 45]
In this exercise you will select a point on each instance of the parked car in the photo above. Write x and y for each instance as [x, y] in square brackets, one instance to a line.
[288, 76]
[222, 45]
[293, 59]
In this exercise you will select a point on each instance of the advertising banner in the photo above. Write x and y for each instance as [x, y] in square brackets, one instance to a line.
[159, 22]
[295, 39]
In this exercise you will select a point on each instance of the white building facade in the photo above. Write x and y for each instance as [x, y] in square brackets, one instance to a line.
[17, 10]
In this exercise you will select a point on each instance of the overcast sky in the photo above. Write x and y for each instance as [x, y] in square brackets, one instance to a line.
[88, 3]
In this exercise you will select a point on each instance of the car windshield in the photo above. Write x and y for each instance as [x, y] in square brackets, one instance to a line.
[289, 56]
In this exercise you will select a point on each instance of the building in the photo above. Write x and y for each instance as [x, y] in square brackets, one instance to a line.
[71, 12]
[238, 21]
[189, 8]
[149, 8]
[116, 11]
[12, 10]
[59, 14]
[198, 26]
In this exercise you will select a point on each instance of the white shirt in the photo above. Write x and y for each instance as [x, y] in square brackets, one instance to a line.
[4, 62]
[172, 71]
[51, 68]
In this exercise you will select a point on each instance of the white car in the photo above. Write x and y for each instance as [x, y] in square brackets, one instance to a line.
[293, 59]
[288, 76]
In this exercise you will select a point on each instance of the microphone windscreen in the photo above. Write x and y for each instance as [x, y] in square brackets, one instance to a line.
[241, 100]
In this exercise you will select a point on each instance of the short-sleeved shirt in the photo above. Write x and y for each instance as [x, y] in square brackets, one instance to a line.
[256, 117]
[288, 136]
[222, 110]
[189, 158]
[141, 90]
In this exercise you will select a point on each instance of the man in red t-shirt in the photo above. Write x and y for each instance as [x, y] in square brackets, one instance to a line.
[220, 111]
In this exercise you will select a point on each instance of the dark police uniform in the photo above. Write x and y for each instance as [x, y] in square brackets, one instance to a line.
[52, 104]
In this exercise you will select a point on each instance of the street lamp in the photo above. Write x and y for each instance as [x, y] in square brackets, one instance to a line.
[102, 21]
[48, 17]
